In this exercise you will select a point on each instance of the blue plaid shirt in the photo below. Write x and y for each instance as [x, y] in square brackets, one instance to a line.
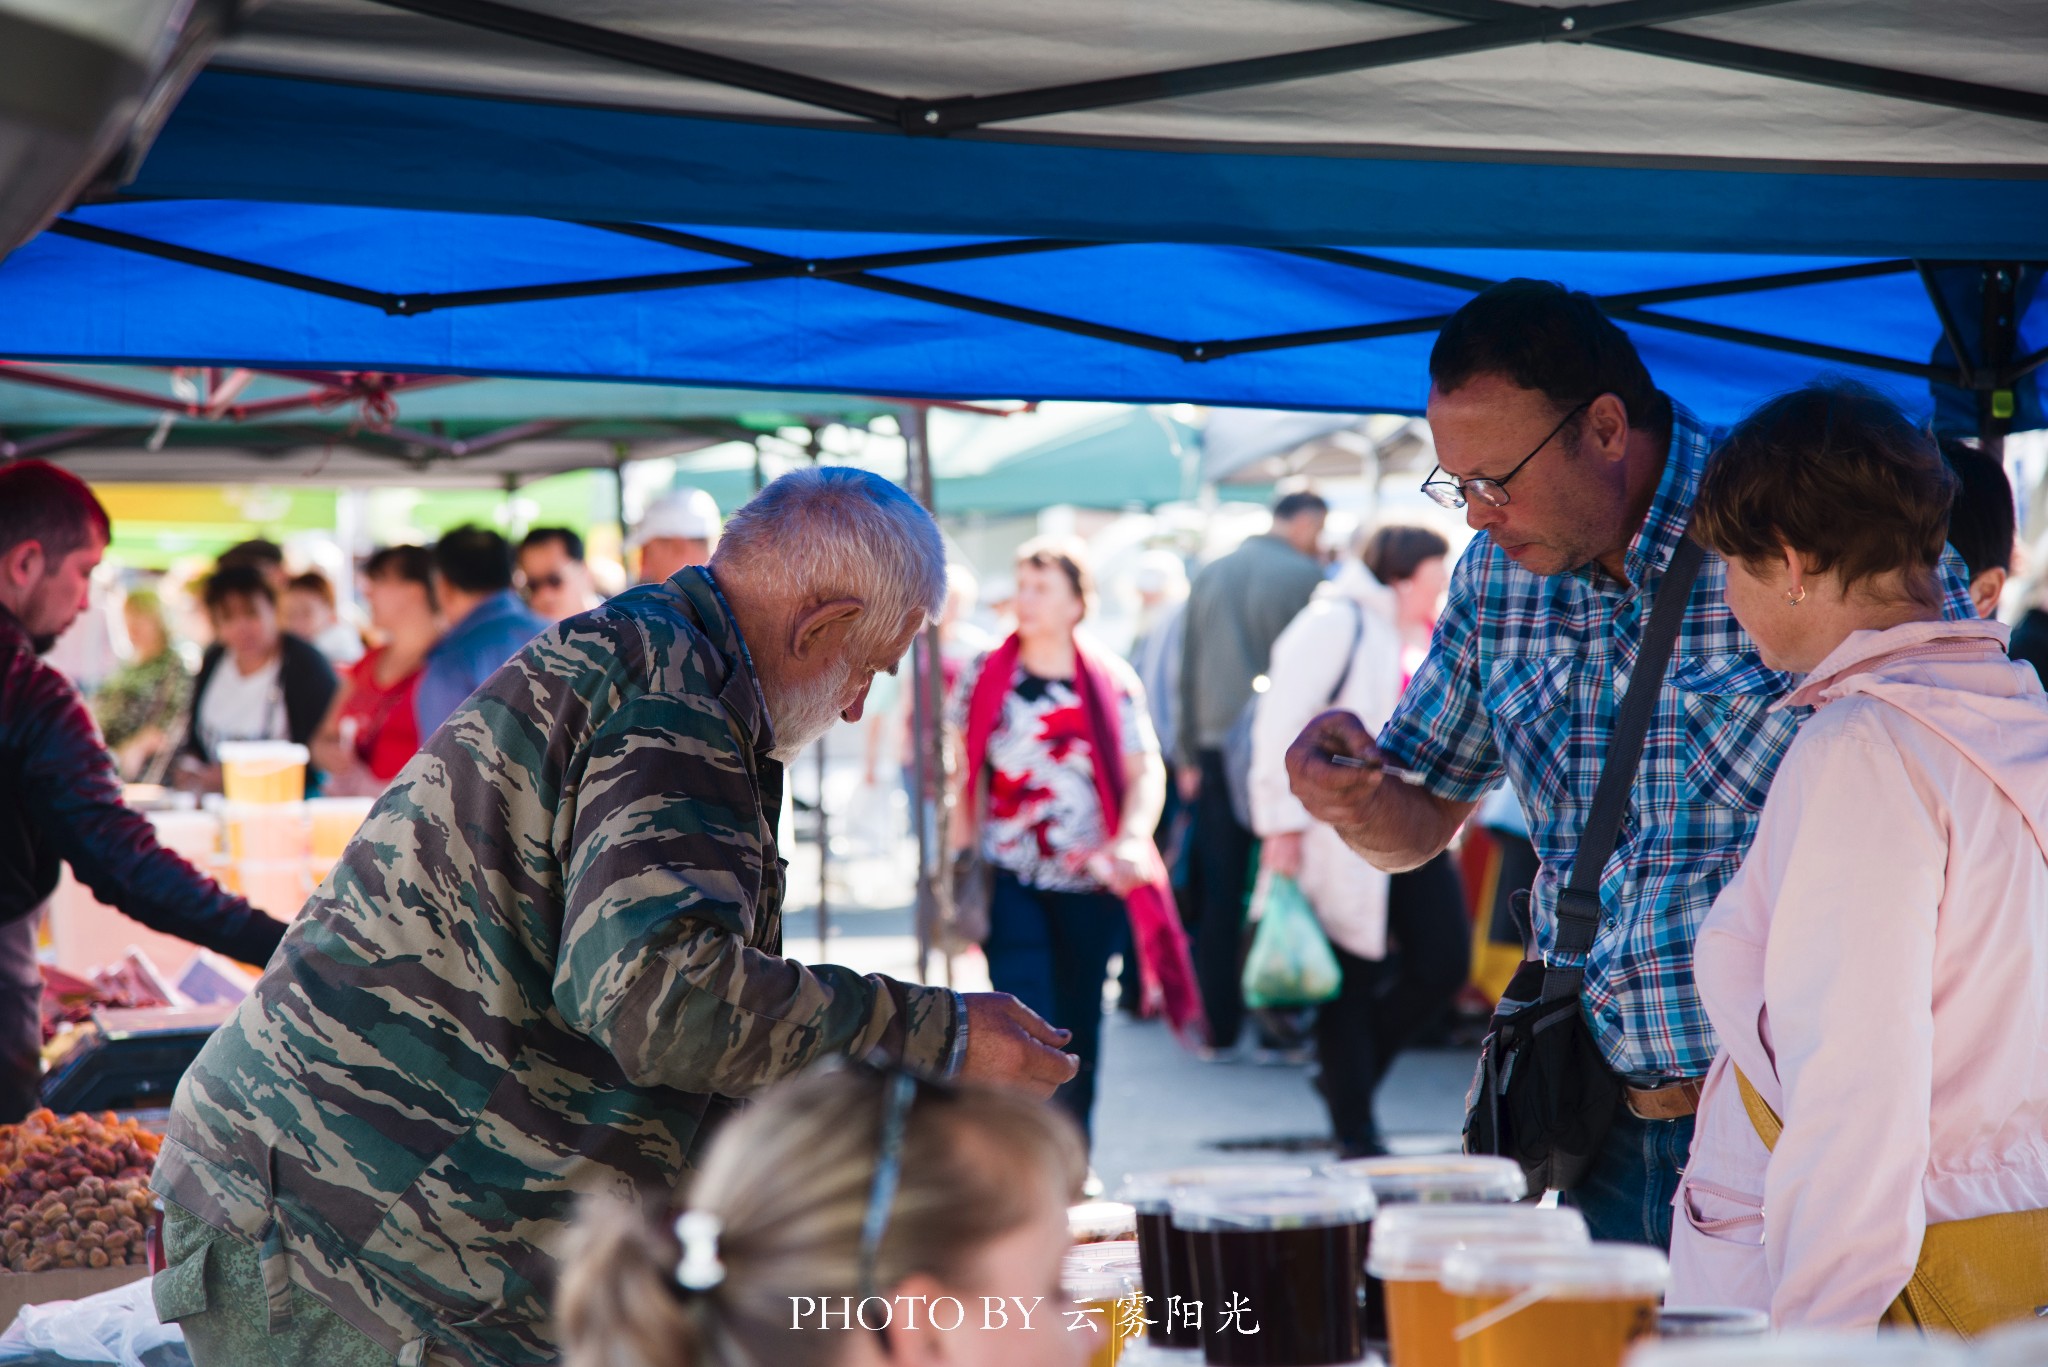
[1523, 680]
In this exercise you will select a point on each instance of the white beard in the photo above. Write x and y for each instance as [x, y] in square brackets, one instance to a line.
[804, 714]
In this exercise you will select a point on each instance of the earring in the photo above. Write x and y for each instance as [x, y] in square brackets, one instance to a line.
[1796, 595]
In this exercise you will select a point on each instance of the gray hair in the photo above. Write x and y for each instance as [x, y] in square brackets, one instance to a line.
[833, 531]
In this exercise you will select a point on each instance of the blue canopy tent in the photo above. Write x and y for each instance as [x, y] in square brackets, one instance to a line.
[1270, 203]
[1251, 202]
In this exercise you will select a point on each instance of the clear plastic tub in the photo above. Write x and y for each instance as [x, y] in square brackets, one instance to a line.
[1280, 1270]
[1449, 1179]
[263, 770]
[334, 822]
[1094, 1222]
[1812, 1349]
[1105, 1292]
[1712, 1322]
[272, 832]
[1560, 1307]
[1168, 1253]
[1409, 1246]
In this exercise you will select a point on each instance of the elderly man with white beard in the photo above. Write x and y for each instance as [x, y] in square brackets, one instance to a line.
[552, 957]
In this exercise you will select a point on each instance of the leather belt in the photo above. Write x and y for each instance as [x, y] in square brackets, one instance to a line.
[1674, 1101]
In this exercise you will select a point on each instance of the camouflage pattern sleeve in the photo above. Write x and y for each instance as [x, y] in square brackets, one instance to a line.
[664, 961]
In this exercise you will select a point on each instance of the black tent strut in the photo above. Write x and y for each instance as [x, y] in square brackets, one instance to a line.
[858, 272]
[1486, 25]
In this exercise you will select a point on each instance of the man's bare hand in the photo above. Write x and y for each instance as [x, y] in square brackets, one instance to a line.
[1335, 794]
[1188, 779]
[1010, 1045]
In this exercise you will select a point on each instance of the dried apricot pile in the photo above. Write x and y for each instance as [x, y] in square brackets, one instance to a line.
[75, 1191]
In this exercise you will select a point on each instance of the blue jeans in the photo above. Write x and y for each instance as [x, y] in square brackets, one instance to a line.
[1626, 1195]
[1051, 951]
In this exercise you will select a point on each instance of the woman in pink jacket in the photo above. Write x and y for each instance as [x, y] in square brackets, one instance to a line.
[1878, 970]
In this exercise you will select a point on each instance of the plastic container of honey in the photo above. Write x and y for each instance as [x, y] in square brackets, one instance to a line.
[1409, 1246]
[263, 770]
[1553, 1307]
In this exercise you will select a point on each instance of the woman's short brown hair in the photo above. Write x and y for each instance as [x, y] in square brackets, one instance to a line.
[1839, 474]
[1066, 555]
[1396, 551]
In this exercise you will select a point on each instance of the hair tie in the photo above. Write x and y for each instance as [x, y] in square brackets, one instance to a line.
[700, 1269]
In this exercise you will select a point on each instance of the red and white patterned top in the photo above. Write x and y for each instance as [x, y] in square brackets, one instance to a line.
[1044, 817]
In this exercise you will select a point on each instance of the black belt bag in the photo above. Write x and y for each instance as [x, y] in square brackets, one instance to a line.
[1543, 1095]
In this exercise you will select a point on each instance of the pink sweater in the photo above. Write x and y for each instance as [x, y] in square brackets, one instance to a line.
[1879, 969]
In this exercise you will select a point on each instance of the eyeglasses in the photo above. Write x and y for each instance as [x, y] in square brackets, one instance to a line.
[543, 583]
[1452, 493]
[900, 1087]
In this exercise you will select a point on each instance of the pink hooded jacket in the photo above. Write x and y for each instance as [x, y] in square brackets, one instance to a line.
[1879, 969]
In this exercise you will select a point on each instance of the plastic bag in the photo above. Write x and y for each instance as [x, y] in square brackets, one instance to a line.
[118, 1327]
[1291, 962]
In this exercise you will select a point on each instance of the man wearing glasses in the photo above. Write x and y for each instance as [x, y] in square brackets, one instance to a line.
[555, 576]
[1581, 475]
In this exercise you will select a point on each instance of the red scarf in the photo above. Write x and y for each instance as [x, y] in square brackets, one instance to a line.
[1166, 970]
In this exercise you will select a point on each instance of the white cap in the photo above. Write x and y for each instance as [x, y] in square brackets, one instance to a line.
[1160, 571]
[686, 514]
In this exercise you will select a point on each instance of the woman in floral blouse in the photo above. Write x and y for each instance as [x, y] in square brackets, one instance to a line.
[141, 706]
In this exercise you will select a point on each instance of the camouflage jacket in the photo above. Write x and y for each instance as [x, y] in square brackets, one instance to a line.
[552, 948]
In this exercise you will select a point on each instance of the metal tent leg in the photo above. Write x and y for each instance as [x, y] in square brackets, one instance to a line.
[931, 811]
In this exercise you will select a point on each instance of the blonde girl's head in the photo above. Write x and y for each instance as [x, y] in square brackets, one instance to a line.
[984, 1179]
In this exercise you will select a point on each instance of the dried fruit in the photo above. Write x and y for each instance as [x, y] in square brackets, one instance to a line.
[74, 1191]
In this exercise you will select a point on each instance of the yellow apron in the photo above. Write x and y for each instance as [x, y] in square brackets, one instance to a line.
[1972, 1275]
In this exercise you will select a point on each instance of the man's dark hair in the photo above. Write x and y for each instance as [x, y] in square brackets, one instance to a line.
[1981, 524]
[474, 559]
[1540, 335]
[1294, 505]
[1839, 474]
[267, 556]
[50, 506]
[242, 580]
[570, 542]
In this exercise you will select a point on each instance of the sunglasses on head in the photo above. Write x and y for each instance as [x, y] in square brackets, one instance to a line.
[900, 1089]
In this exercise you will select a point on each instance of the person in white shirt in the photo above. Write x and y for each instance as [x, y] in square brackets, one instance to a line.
[1403, 943]
[257, 682]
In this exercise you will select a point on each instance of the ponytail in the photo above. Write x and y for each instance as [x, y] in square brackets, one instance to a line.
[618, 1304]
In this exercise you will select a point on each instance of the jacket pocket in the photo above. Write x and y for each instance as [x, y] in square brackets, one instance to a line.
[1735, 740]
[1525, 699]
[1717, 1251]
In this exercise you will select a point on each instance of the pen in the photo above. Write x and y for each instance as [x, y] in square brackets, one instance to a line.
[1353, 762]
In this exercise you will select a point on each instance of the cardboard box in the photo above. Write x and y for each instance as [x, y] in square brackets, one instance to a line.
[66, 1284]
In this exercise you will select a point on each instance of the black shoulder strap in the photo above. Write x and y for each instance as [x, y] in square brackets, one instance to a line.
[1578, 902]
[1351, 655]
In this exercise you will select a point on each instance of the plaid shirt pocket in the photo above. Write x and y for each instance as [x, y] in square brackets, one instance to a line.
[1525, 700]
[1736, 740]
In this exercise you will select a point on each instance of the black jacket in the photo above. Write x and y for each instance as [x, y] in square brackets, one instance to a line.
[305, 676]
[60, 801]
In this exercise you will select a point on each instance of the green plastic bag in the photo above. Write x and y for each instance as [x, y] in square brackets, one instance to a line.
[1291, 962]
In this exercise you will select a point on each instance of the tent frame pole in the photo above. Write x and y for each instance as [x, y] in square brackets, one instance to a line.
[1999, 335]
[1483, 25]
[1627, 307]
[931, 811]
[1804, 68]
